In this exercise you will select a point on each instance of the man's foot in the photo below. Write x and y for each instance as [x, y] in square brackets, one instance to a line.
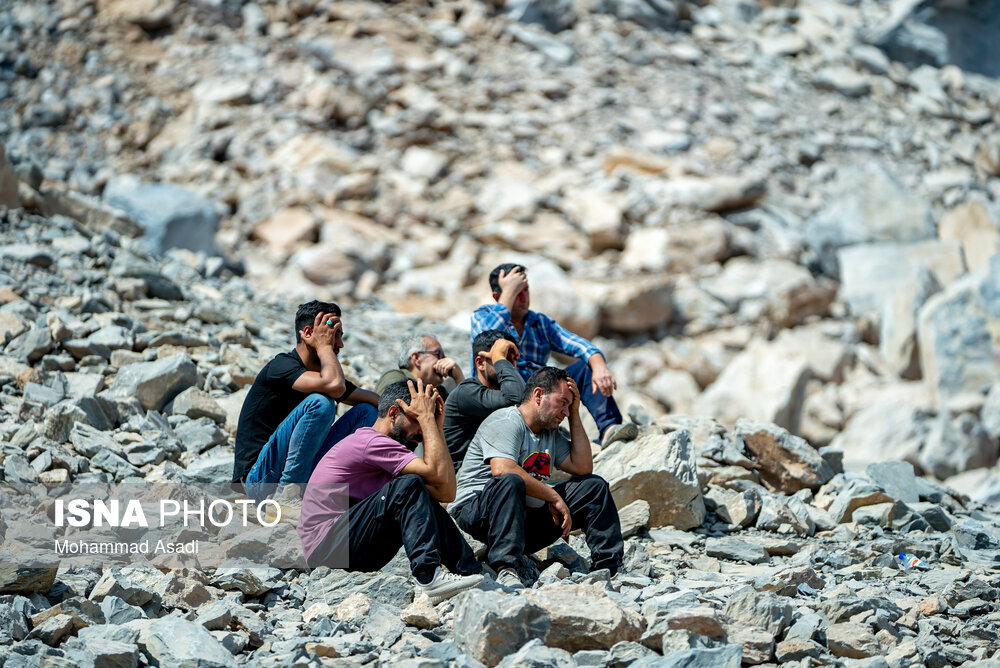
[445, 584]
[619, 432]
[289, 508]
[509, 579]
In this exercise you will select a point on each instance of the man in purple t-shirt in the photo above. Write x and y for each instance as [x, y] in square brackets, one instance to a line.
[394, 498]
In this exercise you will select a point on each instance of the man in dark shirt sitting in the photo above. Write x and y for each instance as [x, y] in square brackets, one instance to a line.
[497, 384]
[287, 421]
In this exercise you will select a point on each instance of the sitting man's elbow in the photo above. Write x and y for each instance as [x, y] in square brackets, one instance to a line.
[336, 388]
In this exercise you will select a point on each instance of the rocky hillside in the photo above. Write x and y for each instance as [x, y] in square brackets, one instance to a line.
[779, 220]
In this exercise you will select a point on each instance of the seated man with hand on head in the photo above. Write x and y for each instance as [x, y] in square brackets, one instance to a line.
[287, 420]
[537, 335]
[503, 499]
[496, 385]
[395, 497]
[422, 357]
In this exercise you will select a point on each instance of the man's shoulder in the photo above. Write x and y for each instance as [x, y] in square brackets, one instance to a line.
[503, 417]
[468, 386]
[392, 376]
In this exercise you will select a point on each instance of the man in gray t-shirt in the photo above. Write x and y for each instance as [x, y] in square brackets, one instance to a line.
[502, 497]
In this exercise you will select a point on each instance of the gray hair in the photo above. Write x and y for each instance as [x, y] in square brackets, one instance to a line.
[410, 345]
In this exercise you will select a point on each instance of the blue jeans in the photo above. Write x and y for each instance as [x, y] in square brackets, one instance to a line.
[301, 440]
[603, 409]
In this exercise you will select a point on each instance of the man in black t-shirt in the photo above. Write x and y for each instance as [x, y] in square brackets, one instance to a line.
[497, 384]
[287, 421]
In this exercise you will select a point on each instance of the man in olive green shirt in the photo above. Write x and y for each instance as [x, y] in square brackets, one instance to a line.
[422, 357]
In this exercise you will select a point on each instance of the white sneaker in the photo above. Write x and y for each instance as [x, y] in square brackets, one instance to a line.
[446, 584]
[289, 509]
[509, 579]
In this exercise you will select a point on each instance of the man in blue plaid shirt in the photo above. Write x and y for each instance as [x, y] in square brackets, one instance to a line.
[537, 335]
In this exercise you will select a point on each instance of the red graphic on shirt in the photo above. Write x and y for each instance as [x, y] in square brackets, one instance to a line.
[538, 465]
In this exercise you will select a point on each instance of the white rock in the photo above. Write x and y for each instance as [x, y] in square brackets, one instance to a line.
[659, 469]
[766, 382]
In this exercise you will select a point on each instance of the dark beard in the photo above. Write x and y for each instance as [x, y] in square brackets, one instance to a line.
[398, 434]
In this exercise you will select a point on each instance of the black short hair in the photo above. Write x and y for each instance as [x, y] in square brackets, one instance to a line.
[306, 314]
[485, 340]
[386, 400]
[506, 267]
[548, 378]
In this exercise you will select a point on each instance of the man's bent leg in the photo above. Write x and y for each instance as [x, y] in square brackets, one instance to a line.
[362, 415]
[410, 505]
[456, 552]
[593, 510]
[603, 409]
[496, 517]
[290, 449]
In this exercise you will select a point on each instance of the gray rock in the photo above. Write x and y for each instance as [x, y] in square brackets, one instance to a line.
[117, 611]
[764, 609]
[583, 616]
[383, 625]
[209, 469]
[171, 215]
[734, 549]
[89, 441]
[535, 654]
[553, 15]
[957, 445]
[866, 204]
[13, 624]
[856, 494]
[30, 346]
[990, 414]
[939, 34]
[196, 403]
[250, 581]
[28, 254]
[896, 478]
[959, 353]
[490, 626]
[113, 337]
[651, 14]
[155, 383]
[200, 435]
[844, 80]
[214, 616]
[173, 641]
[553, 49]
[729, 656]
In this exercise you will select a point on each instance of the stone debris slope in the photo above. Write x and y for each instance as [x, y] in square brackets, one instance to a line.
[785, 241]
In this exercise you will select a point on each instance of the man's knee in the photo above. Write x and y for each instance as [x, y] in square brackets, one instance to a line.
[320, 403]
[510, 483]
[593, 483]
[409, 483]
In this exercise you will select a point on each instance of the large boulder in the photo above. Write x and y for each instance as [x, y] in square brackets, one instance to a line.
[173, 216]
[972, 226]
[788, 291]
[786, 463]
[660, 469]
[940, 33]
[489, 625]
[866, 204]
[959, 347]
[889, 282]
[890, 429]
[155, 383]
[957, 445]
[633, 306]
[582, 617]
[765, 382]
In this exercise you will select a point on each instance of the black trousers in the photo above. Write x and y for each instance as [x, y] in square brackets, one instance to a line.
[499, 516]
[401, 514]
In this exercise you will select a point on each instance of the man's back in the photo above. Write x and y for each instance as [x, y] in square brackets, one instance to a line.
[471, 402]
